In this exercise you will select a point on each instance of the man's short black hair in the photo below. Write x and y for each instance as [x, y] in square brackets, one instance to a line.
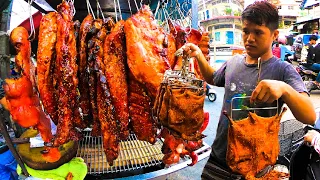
[262, 12]
[313, 37]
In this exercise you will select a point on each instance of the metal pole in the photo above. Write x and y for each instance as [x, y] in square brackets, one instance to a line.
[13, 150]
[194, 10]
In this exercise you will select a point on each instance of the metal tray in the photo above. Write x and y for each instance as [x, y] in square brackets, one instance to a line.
[137, 159]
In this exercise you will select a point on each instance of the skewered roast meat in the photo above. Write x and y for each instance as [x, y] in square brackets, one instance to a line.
[46, 63]
[115, 71]
[253, 145]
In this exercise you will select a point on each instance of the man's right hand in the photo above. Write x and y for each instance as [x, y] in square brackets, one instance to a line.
[192, 50]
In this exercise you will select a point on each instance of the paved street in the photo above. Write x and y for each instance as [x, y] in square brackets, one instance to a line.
[214, 109]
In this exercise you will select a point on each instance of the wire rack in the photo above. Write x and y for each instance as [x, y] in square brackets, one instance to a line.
[290, 132]
[134, 154]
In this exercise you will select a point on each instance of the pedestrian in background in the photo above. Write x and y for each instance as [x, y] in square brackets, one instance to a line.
[276, 51]
[284, 51]
[305, 55]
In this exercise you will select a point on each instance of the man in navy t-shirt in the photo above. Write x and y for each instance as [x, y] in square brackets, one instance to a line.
[278, 80]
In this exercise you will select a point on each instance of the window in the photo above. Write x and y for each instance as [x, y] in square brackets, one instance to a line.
[207, 13]
[229, 37]
[290, 7]
[199, 17]
[217, 36]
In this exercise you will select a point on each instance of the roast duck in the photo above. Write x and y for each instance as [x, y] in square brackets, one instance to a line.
[106, 75]
[253, 146]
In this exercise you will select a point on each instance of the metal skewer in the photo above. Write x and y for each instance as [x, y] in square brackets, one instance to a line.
[32, 30]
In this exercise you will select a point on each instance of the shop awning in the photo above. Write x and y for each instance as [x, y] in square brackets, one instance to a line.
[20, 13]
[308, 3]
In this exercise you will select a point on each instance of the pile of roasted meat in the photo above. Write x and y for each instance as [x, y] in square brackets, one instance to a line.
[253, 146]
[105, 75]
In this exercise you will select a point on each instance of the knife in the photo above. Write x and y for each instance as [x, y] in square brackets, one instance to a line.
[264, 171]
[34, 141]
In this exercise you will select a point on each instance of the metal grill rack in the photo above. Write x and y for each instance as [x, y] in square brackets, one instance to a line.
[136, 158]
[134, 154]
[290, 132]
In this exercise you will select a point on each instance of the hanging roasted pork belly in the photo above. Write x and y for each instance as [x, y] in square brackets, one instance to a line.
[66, 69]
[83, 78]
[46, 63]
[147, 57]
[146, 50]
[115, 70]
[92, 77]
[109, 126]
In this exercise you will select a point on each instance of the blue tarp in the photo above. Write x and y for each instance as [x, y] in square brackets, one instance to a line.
[8, 166]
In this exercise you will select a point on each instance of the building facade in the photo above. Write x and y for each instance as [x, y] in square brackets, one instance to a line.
[222, 19]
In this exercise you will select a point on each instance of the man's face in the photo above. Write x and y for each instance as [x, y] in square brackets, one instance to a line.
[312, 42]
[257, 39]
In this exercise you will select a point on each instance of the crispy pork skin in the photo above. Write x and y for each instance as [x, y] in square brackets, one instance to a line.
[146, 53]
[142, 122]
[67, 72]
[46, 63]
[253, 144]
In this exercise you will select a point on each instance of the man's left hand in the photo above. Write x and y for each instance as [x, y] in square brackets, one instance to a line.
[267, 91]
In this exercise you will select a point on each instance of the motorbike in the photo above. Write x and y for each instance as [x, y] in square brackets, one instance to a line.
[298, 158]
[308, 76]
[287, 58]
[211, 93]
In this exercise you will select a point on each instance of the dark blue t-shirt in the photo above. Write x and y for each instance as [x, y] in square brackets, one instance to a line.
[239, 80]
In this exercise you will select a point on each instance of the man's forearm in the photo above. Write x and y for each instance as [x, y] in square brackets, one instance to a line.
[205, 69]
[299, 104]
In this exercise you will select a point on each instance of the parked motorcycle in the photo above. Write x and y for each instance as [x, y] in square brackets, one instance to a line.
[308, 76]
[211, 93]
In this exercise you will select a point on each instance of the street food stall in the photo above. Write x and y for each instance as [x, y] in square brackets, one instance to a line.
[108, 85]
